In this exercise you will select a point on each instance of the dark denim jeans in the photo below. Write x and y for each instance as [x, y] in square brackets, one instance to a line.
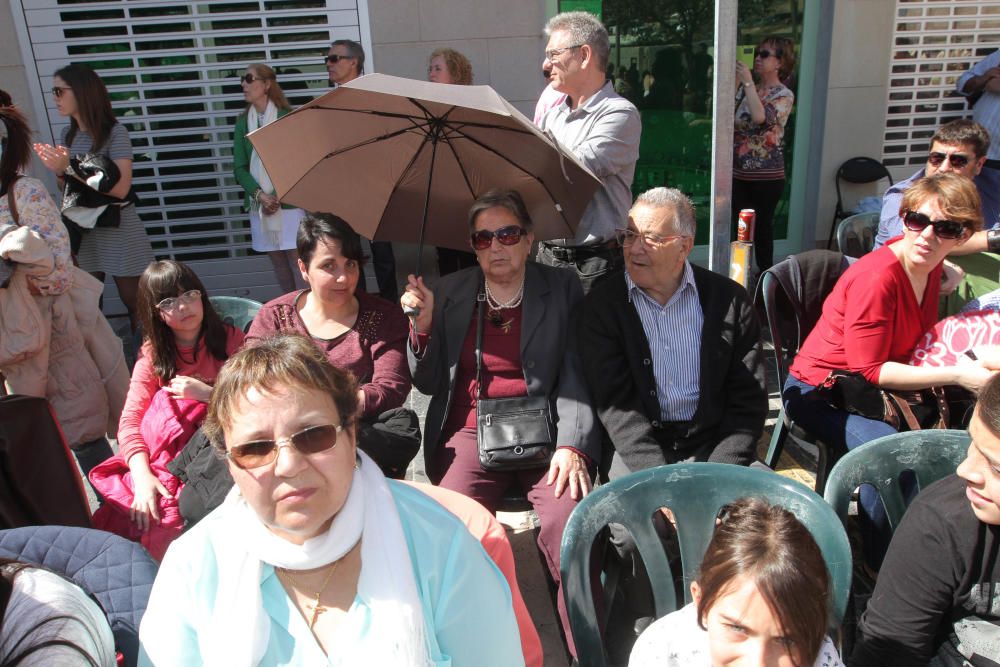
[592, 265]
[842, 430]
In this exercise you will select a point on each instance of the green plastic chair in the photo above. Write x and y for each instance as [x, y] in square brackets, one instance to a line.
[856, 233]
[695, 492]
[930, 454]
[236, 310]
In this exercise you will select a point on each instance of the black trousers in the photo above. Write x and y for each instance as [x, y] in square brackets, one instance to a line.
[763, 198]
[384, 263]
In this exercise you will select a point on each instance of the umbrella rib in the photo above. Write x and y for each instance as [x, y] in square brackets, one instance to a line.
[461, 167]
[427, 115]
[517, 166]
[374, 140]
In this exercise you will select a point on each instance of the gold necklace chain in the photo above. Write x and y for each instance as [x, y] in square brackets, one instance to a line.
[316, 607]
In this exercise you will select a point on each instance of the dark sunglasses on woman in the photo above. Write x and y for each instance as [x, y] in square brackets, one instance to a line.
[947, 230]
[312, 440]
[509, 235]
[250, 78]
[766, 53]
[957, 160]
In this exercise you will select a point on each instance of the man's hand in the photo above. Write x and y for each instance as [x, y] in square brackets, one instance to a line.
[568, 469]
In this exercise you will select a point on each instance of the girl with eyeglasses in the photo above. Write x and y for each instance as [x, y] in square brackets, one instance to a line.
[272, 224]
[873, 319]
[186, 343]
[54, 341]
[122, 251]
[762, 109]
[523, 312]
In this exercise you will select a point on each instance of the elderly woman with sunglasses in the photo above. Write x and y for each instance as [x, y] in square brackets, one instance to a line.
[314, 557]
[525, 352]
[875, 316]
[272, 225]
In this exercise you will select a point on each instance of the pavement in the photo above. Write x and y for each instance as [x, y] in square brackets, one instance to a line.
[536, 587]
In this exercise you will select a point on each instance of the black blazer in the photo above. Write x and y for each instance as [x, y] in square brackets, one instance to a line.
[732, 404]
[550, 363]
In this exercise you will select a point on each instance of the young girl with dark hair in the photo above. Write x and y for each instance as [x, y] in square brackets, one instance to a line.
[45, 619]
[761, 598]
[121, 251]
[186, 343]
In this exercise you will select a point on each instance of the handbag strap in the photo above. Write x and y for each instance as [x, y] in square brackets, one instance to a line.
[12, 201]
[480, 315]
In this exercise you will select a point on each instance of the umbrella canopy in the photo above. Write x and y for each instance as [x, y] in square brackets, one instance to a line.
[402, 160]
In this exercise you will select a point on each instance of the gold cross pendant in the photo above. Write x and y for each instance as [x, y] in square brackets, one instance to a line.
[316, 610]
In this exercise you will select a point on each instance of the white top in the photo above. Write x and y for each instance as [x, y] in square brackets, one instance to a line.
[44, 607]
[676, 640]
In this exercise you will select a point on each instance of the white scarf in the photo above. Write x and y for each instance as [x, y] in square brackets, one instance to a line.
[397, 633]
[270, 222]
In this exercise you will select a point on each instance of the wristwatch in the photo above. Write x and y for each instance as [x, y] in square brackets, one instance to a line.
[993, 240]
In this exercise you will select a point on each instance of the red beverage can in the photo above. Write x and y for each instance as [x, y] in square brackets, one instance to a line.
[744, 228]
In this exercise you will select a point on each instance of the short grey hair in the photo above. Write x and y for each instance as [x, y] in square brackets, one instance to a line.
[584, 28]
[354, 50]
[684, 221]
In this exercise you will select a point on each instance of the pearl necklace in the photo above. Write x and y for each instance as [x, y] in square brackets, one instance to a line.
[496, 304]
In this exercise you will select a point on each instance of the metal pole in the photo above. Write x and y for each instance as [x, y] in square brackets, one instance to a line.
[723, 102]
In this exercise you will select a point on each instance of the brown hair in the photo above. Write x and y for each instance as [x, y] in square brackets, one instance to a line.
[963, 131]
[459, 67]
[274, 92]
[988, 405]
[768, 545]
[169, 278]
[16, 143]
[93, 104]
[497, 198]
[957, 197]
[287, 360]
[785, 49]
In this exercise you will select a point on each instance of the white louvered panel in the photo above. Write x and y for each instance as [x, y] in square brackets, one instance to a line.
[171, 69]
[934, 42]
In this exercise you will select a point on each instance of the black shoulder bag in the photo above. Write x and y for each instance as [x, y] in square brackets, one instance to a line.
[511, 433]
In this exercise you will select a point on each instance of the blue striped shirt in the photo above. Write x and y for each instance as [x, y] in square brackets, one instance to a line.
[987, 109]
[674, 335]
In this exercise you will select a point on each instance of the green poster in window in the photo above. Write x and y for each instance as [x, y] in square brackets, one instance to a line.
[592, 6]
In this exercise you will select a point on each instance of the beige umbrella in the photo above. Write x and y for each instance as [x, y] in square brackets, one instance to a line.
[402, 160]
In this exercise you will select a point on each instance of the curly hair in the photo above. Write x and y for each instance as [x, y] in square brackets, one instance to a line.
[459, 67]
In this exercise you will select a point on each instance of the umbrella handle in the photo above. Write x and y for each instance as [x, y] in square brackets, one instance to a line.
[411, 312]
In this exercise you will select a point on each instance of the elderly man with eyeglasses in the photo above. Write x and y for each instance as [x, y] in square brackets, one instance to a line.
[959, 147]
[602, 130]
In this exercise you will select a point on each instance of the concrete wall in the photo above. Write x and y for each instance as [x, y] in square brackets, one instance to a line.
[14, 77]
[502, 40]
[856, 99]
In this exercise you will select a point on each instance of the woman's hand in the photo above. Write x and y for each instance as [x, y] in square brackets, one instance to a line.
[269, 204]
[419, 296]
[743, 73]
[183, 386]
[55, 158]
[951, 277]
[568, 469]
[145, 501]
[974, 376]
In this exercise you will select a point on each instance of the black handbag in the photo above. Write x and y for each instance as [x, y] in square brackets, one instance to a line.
[903, 410]
[511, 433]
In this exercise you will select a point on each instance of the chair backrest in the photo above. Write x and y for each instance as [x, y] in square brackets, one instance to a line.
[793, 292]
[39, 479]
[861, 170]
[930, 454]
[117, 572]
[236, 310]
[695, 492]
[856, 233]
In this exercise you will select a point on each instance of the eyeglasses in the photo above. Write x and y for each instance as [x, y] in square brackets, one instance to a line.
[250, 78]
[57, 91]
[957, 160]
[509, 235]
[627, 237]
[336, 58]
[552, 54]
[171, 303]
[947, 230]
[766, 53]
[312, 440]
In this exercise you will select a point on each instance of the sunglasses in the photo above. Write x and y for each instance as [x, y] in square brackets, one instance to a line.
[334, 58]
[947, 230]
[509, 235]
[250, 78]
[766, 53]
[312, 440]
[171, 303]
[57, 91]
[957, 160]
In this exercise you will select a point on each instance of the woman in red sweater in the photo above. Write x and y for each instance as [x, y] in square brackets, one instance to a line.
[877, 313]
[186, 343]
